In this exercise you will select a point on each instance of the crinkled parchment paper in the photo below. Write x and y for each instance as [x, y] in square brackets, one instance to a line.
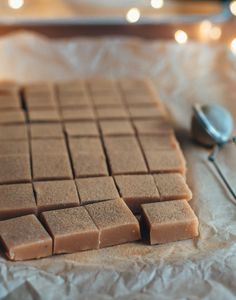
[205, 268]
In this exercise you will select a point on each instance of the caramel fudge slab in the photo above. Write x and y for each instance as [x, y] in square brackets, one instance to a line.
[15, 168]
[139, 99]
[115, 222]
[136, 190]
[71, 87]
[13, 132]
[72, 230]
[38, 101]
[25, 238]
[172, 186]
[124, 155]
[14, 148]
[55, 194]
[88, 157]
[74, 100]
[16, 200]
[107, 100]
[153, 111]
[136, 85]
[101, 85]
[169, 221]
[9, 101]
[51, 166]
[158, 142]
[43, 115]
[46, 130]
[85, 128]
[77, 114]
[48, 146]
[96, 189]
[157, 126]
[16, 116]
[38, 88]
[110, 113]
[116, 127]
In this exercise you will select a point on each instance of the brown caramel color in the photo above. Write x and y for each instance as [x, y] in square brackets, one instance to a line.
[146, 112]
[116, 127]
[169, 221]
[115, 222]
[74, 100]
[12, 117]
[14, 148]
[44, 115]
[48, 146]
[96, 189]
[136, 190]
[110, 113]
[72, 229]
[85, 128]
[25, 238]
[46, 131]
[55, 194]
[157, 126]
[157, 142]
[16, 200]
[78, 114]
[107, 100]
[13, 132]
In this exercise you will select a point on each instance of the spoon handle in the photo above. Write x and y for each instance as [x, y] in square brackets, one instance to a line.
[212, 159]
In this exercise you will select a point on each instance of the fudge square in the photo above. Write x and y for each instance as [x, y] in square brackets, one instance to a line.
[72, 229]
[16, 200]
[16, 116]
[136, 190]
[83, 128]
[115, 222]
[172, 186]
[96, 189]
[25, 238]
[169, 221]
[13, 132]
[46, 130]
[116, 127]
[55, 194]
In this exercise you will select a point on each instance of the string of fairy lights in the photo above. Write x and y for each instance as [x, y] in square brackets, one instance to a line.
[207, 30]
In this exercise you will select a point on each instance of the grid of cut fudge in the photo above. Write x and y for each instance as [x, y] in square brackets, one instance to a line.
[110, 113]
[158, 142]
[115, 222]
[51, 166]
[157, 126]
[55, 194]
[169, 221]
[83, 128]
[71, 87]
[38, 101]
[74, 100]
[96, 189]
[10, 100]
[172, 186]
[136, 190]
[44, 115]
[48, 146]
[13, 132]
[72, 229]
[165, 161]
[140, 99]
[38, 88]
[25, 238]
[14, 148]
[88, 157]
[124, 155]
[77, 114]
[16, 200]
[46, 130]
[15, 168]
[16, 116]
[109, 100]
[146, 112]
[116, 127]
[101, 85]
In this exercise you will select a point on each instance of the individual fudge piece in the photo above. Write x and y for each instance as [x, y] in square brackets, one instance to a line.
[110, 113]
[45, 130]
[15, 168]
[84, 128]
[158, 126]
[10, 100]
[13, 132]
[101, 85]
[16, 200]
[71, 87]
[140, 99]
[74, 100]
[34, 102]
[109, 100]
[88, 157]
[158, 142]
[25, 238]
[124, 155]
[72, 230]
[116, 127]
[115, 222]
[172, 186]
[51, 166]
[48, 146]
[39, 88]
[136, 190]
[165, 161]
[146, 112]
[14, 148]
[55, 194]
[44, 115]
[77, 114]
[16, 116]
[96, 189]
[169, 221]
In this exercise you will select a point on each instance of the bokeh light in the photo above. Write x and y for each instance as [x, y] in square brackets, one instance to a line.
[181, 37]
[157, 3]
[15, 4]
[233, 46]
[133, 15]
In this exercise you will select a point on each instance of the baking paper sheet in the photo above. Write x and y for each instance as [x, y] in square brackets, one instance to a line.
[183, 74]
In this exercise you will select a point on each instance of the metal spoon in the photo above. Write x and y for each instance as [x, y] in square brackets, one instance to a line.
[212, 125]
